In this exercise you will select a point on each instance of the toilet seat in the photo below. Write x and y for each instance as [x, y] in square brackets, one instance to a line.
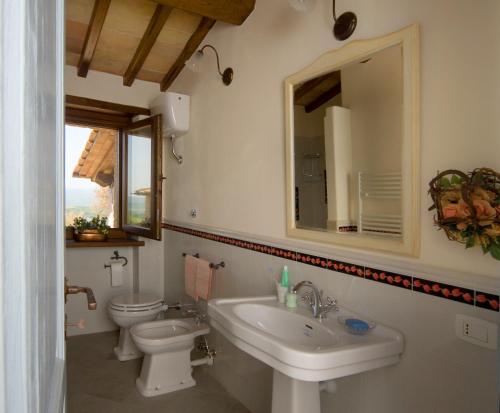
[135, 301]
[128, 310]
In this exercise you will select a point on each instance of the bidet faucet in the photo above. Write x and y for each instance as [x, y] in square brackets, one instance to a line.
[73, 289]
[319, 309]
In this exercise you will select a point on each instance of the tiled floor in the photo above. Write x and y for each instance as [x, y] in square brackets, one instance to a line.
[99, 383]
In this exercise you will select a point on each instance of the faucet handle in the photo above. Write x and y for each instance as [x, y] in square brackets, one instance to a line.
[80, 324]
[307, 298]
[331, 304]
[200, 318]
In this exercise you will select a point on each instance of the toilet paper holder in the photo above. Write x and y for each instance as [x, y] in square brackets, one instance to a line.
[117, 257]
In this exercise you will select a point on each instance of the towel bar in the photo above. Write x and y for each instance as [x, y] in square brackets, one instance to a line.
[212, 265]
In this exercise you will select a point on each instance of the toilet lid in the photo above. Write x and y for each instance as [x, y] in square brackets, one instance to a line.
[135, 301]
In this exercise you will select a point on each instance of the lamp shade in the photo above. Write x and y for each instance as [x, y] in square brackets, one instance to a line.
[302, 5]
[194, 62]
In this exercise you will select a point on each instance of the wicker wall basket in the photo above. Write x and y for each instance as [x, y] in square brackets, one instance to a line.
[468, 207]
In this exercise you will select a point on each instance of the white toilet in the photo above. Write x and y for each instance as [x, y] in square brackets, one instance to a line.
[127, 311]
[167, 345]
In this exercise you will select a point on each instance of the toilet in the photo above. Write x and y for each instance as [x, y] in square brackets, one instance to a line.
[128, 310]
[167, 346]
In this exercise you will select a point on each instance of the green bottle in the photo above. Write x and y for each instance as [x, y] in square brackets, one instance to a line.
[284, 277]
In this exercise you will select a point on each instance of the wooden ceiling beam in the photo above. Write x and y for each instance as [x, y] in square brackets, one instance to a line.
[94, 104]
[324, 97]
[228, 11]
[308, 86]
[156, 23]
[191, 46]
[93, 32]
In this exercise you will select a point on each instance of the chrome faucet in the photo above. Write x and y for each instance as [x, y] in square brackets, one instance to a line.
[315, 300]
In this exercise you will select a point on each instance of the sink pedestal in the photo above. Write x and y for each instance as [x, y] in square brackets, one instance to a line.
[294, 396]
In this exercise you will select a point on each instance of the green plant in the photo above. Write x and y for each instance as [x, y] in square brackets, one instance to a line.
[99, 223]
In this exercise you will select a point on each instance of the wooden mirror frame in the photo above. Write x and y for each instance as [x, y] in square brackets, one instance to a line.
[408, 39]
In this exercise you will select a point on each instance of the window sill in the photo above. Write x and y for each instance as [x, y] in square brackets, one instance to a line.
[105, 244]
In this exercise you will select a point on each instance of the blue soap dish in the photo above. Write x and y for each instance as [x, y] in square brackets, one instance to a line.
[355, 325]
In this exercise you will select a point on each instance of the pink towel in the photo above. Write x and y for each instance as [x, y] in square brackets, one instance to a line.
[190, 269]
[204, 280]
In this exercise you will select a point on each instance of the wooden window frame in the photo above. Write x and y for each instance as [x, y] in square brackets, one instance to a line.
[156, 179]
[94, 113]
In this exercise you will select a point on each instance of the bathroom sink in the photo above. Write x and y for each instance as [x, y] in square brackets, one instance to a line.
[287, 326]
[300, 346]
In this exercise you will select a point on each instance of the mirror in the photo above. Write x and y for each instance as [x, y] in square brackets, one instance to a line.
[142, 178]
[353, 146]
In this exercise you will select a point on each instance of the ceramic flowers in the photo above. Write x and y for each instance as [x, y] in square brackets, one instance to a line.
[468, 207]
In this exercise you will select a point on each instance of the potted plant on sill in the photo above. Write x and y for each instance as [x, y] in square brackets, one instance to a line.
[70, 232]
[91, 229]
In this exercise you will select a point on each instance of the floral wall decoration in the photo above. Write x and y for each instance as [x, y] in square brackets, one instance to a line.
[468, 207]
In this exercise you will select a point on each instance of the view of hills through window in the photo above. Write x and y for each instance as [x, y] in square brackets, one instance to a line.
[91, 174]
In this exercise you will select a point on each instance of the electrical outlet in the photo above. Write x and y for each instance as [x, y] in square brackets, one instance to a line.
[477, 331]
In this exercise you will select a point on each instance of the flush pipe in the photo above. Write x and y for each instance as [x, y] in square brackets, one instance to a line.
[208, 360]
[210, 354]
[175, 155]
[330, 386]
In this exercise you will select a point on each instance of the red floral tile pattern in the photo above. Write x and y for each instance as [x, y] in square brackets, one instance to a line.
[329, 264]
[451, 292]
[480, 299]
[386, 277]
[486, 300]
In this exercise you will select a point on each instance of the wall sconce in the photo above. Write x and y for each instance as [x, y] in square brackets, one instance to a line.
[344, 25]
[193, 64]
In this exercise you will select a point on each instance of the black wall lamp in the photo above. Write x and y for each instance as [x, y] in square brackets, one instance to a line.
[193, 64]
[344, 25]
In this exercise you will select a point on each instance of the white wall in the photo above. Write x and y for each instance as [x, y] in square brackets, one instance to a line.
[438, 372]
[234, 152]
[85, 266]
[233, 173]
[374, 93]
[107, 87]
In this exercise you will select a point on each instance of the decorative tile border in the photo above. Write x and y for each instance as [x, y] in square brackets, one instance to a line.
[437, 289]
[451, 292]
[398, 280]
[485, 300]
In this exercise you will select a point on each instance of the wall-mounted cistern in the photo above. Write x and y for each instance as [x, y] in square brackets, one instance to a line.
[72, 289]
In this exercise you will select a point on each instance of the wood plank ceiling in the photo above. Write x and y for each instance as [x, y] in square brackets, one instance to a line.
[143, 39]
[317, 91]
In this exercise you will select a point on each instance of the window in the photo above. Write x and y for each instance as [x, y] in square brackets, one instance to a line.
[142, 178]
[113, 165]
[92, 174]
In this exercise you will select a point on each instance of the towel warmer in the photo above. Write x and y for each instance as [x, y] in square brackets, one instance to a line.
[386, 187]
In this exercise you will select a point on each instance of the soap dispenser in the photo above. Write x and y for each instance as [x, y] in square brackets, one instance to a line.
[291, 297]
[282, 285]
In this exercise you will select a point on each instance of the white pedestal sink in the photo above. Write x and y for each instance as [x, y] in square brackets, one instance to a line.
[301, 349]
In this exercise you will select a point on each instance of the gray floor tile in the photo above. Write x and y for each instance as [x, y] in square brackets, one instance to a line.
[99, 383]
